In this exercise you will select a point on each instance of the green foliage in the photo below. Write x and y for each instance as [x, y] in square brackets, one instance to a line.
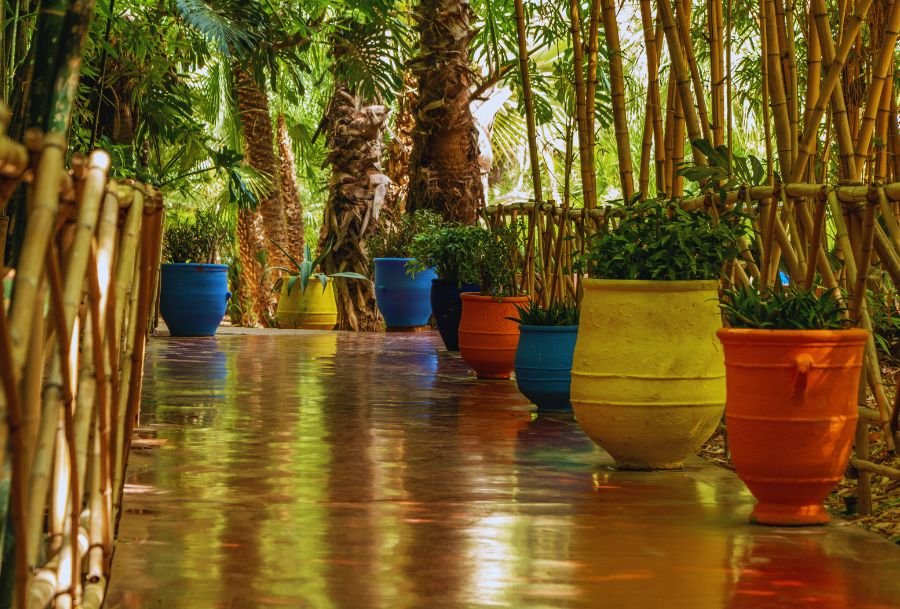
[559, 313]
[496, 260]
[193, 237]
[884, 310]
[304, 270]
[783, 309]
[396, 234]
[658, 240]
[449, 249]
[719, 174]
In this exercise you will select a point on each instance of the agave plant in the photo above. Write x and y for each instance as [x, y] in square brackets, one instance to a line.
[305, 270]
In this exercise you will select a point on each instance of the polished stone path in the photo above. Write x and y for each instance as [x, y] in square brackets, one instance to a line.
[330, 470]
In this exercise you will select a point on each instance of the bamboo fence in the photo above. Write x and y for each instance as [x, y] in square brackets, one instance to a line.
[796, 226]
[72, 342]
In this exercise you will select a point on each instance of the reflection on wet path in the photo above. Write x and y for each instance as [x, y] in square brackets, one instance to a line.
[337, 471]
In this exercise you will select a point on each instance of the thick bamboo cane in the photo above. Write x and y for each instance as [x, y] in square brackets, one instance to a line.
[880, 68]
[784, 12]
[581, 105]
[829, 83]
[683, 18]
[522, 36]
[590, 94]
[777, 91]
[617, 88]
[682, 73]
[717, 70]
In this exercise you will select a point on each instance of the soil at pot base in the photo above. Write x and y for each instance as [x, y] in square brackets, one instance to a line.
[193, 298]
[791, 416]
[648, 380]
[544, 365]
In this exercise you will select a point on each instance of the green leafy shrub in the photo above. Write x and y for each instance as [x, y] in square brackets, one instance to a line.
[783, 309]
[451, 250]
[884, 310]
[192, 237]
[496, 260]
[559, 313]
[395, 236]
[659, 240]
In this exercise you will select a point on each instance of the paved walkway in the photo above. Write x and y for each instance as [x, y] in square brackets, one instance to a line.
[331, 470]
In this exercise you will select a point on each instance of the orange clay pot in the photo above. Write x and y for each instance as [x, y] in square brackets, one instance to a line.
[487, 339]
[791, 415]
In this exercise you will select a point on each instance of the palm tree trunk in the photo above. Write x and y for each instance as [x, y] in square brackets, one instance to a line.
[259, 150]
[401, 145]
[357, 191]
[444, 173]
[290, 193]
[252, 303]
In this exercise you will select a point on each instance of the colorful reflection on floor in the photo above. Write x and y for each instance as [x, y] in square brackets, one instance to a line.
[341, 471]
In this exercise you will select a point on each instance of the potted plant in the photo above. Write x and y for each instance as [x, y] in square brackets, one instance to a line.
[648, 380]
[450, 251]
[309, 309]
[402, 295]
[544, 355]
[488, 337]
[792, 365]
[194, 290]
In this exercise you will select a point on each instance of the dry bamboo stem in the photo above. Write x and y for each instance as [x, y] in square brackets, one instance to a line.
[880, 70]
[591, 87]
[617, 87]
[682, 18]
[682, 73]
[829, 83]
[529, 101]
[777, 91]
[580, 105]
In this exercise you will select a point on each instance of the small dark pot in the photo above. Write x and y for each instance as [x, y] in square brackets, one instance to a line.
[193, 298]
[446, 305]
[402, 298]
[544, 365]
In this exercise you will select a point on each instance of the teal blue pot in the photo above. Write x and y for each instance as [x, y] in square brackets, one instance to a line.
[544, 365]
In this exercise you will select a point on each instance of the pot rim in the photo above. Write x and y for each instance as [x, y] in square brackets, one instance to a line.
[653, 285]
[393, 259]
[476, 297]
[791, 337]
[548, 329]
[194, 265]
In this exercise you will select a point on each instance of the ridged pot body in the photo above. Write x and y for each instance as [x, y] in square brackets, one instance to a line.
[193, 298]
[544, 365]
[487, 339]
[312, 309]
[648, 376]
[404, 300]
[791, 416]
[446, 305]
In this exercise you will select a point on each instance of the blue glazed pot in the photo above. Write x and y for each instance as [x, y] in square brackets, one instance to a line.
[544, 365]
[447, 308]
[193, 297]
[404, 300]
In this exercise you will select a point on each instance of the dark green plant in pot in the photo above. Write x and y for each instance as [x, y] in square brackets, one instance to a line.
[659, 240]
[781, 308]
[497, 260]
[559, 313]
[395, 236]
[451, 250]
[305, 270]
[192, 237]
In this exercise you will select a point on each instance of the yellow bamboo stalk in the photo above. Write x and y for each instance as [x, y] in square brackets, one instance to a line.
[880, 69]
[682, 73]
[829, 83]
[780, 112]
[717, 70]
[617, 88]
[587, 171]
[529, 102]
[591, 87]
[683, 18]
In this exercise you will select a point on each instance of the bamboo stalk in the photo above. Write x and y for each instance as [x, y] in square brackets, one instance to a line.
[529, 101]
[580, 105]
[777, 92]
[880, 70]
[617, 88]
[591, 87]
[682, 18]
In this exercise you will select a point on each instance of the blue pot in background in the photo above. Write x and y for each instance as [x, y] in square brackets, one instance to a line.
[447, 308]
[404, 300]
[544, 365]
[193, 298]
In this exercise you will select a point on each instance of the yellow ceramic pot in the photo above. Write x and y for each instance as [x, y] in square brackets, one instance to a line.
[313, 309]
[648, 375]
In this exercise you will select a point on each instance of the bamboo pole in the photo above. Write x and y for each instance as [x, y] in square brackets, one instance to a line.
[617, 88]
[521, 34]
[591, 88]
[581, 105]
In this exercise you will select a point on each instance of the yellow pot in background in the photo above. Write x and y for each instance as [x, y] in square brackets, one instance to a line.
[648, 375]
[313, 309]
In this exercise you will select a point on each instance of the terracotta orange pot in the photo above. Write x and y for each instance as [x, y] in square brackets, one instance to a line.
[487, 339]
[791, 414]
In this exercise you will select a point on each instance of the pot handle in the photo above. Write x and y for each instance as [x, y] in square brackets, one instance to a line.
[803, 364]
